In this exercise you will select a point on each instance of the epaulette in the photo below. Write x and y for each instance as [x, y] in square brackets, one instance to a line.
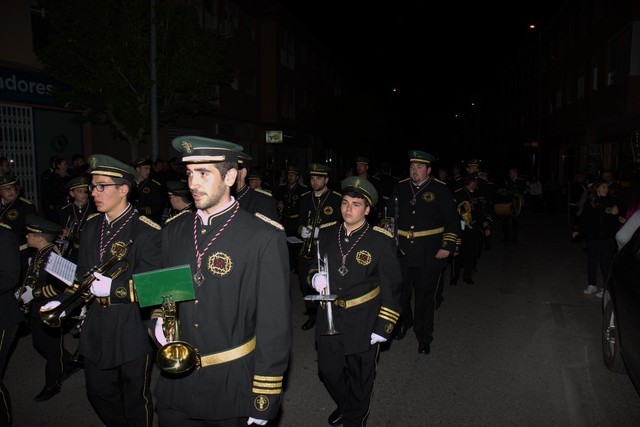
[303, 185]
[441, 182]
[459, 189]
[93, 215]
[374, 177]
[328, 224]
[263, 191]
[157, 182]
[149, 222]
[175, 216]
[383, 231]
[26, 201]
[66, 206]
[268, 220]
[337, 193]
[403, 180]
[305, 193]
[7, 226]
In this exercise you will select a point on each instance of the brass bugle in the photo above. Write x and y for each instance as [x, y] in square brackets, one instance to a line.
[82, 288]
[175, 357]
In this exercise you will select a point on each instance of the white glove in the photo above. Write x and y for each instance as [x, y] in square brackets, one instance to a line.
[319, 282]
[256, 422]
[159, 333]
[101, 287]
[51, 305]
[305, 232]
[27, 295]
[375, 338]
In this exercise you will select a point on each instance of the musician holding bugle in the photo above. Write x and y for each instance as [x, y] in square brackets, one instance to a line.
[38, 288]
[74, 214]
[240, 318]
[115, 347]
[364, 273]
[317, 207]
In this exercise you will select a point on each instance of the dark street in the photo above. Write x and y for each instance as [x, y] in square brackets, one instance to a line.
[520, 347]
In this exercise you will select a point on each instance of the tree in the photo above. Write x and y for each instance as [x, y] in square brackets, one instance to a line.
[100, 54]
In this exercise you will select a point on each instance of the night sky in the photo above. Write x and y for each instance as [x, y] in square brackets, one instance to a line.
[437, 55]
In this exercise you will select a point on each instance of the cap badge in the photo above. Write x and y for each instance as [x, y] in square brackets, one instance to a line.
[94, 163]
[187, 147]
[357, 183]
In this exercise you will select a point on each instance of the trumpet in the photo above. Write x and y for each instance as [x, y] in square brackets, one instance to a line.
[81, 289]
[307, 245]
[175, 357]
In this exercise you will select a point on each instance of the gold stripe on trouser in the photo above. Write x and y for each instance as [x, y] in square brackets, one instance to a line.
[357, 301]
[413, 234]
[228, 355]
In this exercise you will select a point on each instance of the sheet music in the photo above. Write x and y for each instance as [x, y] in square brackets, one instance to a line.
[61, 268]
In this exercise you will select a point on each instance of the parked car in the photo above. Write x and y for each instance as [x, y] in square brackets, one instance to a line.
[621, 313]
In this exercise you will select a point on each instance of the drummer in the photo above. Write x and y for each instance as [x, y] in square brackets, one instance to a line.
[486, 195]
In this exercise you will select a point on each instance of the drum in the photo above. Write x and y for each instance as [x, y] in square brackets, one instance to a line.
[512, 208]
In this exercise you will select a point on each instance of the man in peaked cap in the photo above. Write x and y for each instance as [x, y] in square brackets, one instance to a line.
[362, 170]
[74, 214]
[114, 344]
[428, 228]
[288, 204]
[13, 212]
[363, 271]
[253, 201]
[149, 195]
[242, 307]
[179, 198]
[318, 206]
[40, 288]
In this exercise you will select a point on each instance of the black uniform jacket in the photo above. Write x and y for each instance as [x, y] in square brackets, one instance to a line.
[327, 207]
[372, 264]
[150, 199]
[245, 295]
[429, 224]
[45, 286]
[290, 198]
[116, 334]
[14, 214]
[9, 277]
[258, 201]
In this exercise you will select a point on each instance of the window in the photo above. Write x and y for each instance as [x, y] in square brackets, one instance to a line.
[619, 57]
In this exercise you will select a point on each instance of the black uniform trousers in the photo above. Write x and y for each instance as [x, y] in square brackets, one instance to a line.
[510, 228]
[423, 282]
[49, 342]
[170, 417]
[132, 406]
[348, 377]
[468, 258]
[7, 335]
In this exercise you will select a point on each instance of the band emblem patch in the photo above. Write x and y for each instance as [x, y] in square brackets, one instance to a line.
[261, 403]
[219, 264]
[119, 249]
[328, 210]
[428, 197]
[363, 257]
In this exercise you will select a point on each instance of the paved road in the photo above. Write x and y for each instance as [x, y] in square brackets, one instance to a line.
[521, 347]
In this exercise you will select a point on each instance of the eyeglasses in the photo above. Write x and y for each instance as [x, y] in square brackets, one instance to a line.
[100, 187]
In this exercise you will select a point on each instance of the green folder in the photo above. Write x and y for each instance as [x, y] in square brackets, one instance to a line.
[151, 286]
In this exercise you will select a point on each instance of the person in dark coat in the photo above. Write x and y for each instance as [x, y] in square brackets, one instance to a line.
[40, 288]
[13, 212]
[10, 315]
[288, 204]
[253, 200]
[74, 214]
[114, 344]
[363, 272]
[318, 207]
[150, 194]
[240, 320]
[428, 229]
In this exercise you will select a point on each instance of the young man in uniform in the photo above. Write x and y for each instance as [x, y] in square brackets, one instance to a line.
[317, 207]
[288, 199]
[74, 214]
[13, 212]
[114, 344]
[363, 271]
[39, 288]
[428, 228]
[149, 194]
[240, 320]
[179, 198]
